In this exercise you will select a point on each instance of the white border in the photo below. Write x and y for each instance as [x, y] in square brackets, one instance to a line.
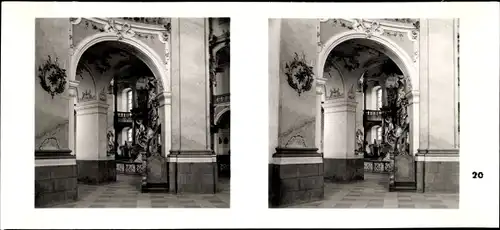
[249, 119]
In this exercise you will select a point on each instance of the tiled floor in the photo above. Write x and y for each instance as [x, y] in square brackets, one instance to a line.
[373, 192]
[125, 193]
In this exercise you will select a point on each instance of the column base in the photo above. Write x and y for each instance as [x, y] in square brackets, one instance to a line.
[344, 170]
[192, 172]
[55, 178]
[295, 176]
[438, 171]
[96, 171]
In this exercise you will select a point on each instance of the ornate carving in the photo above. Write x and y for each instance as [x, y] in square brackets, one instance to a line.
[87, 96]
[372, 29]
[359, 142]
[124, 30]
[52, 77]
[50, 143]
[335, 93]
[111, 142]
[300, 75]
[342, 23]
[391, 33]
[351, 94]
[401, 20]
[296, 141]
[75, 21]
[148, 20]
[94, 26]
[103, 95]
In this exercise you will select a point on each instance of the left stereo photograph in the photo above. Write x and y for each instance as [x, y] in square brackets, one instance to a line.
[132, 113]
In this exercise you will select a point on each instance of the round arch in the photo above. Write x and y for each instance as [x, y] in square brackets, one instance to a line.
[402, 60]
[144, 53]
[395, 52]
[219, 115]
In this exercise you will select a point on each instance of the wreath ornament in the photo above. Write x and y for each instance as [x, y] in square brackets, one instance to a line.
[300, 75]
[52, 77]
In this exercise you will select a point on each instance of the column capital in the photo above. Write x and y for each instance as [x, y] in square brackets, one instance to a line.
[164, 98]
[320, 81]
[91, 107]
[72, 87]
[339, 105]
[413, 97]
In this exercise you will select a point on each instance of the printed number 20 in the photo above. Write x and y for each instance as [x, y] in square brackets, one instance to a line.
[476, 175]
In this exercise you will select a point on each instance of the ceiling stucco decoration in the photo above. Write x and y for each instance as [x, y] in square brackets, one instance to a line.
[140, 28]
[112, 58]
[123, 30]
[369, 28]
[363, 57]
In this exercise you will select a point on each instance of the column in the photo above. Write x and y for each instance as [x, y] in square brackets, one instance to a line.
[94, 165]
[54, 158]
[340, 159]
[192, 163]
[73, 85]
[164, 112]
[319, 129]
[297, 168]
[437, 158]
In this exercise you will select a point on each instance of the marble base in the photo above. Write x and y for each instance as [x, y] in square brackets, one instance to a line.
[438, 177]
[344, 170]
[295, 183]
[192, 172]
[96, 171]
[55, 184]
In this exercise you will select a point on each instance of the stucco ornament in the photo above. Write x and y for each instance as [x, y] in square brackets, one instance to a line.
[52, 77]
[300, 75]
[123, 30]
[370, 29]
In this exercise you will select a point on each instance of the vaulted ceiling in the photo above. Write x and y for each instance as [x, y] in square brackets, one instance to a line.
[113, 58]
[361, 54]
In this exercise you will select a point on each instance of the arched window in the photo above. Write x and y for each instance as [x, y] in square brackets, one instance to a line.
[129, 100]
[379, 134]
[129, 135]
[379, 98]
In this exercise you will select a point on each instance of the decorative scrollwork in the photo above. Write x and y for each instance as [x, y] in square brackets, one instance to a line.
[335, 93]
[296, 141]
[300, 75]
[120, 30]
[52, 77]
[373, 29]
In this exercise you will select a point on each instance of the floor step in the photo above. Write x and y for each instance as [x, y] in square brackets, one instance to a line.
[405, 186]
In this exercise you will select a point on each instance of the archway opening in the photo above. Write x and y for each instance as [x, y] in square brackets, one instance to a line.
[117, 119]
[366, 88]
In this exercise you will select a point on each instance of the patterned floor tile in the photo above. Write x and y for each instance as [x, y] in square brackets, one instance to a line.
[373, 192]
[126, 193]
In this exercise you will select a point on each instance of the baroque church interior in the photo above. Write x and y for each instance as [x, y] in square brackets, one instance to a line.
[357, 98]
[145, 109]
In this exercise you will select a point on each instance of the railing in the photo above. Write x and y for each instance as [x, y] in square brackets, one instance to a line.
[373, 115]
[130, 168]
[124, 116]
[377, 166]
[223, 98]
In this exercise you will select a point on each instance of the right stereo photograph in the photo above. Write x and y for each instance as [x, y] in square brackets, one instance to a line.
[364, 113]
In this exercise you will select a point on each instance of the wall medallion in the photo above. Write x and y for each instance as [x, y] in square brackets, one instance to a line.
[300, 75]
[52, 77]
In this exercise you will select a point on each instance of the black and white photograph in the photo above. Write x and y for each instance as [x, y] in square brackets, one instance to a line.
[132, 112]
[364, 113]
